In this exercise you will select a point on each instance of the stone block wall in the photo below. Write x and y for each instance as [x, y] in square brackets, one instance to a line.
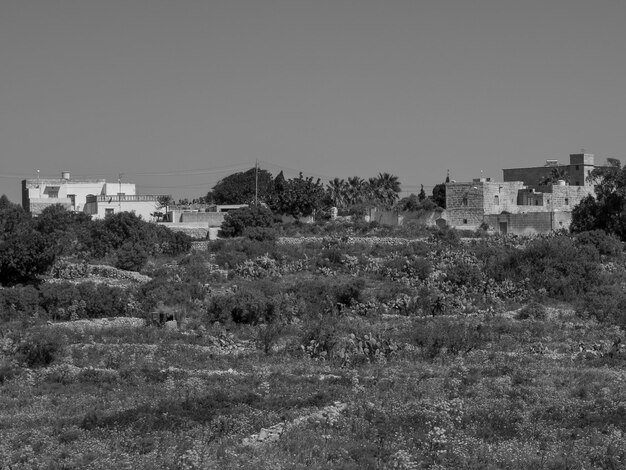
[211, 219]
[465, 204]
[501, 196]
[529, 223]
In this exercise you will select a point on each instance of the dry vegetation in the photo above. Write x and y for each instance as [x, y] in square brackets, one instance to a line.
[341, 350]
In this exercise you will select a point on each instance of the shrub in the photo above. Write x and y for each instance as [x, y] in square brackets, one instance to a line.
[17, 302]
[247, 305]
[447, 236]
[131, 257]
[320, 335]
[260, 233]
[605, 303]
[452, 336]
[533, 311]
[606, 244]
[464, 274]
[24, 256]
[39, 349]
[238, 220]
[350, 292]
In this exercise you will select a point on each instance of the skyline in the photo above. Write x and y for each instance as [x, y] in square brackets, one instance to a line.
[339, 88]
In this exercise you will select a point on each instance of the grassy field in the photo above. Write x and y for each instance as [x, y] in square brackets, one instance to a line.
[332, 354]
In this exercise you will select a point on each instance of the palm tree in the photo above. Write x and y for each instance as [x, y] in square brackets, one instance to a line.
[355, 190]
[385, 189]
[389, 181]
[338, 192]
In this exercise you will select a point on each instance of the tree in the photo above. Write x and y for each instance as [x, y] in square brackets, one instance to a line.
[241, 188]
[422, 194]
[439, 195]
[12, 216]
[25, 255]
[165, 201]
[298, 197]
[409, 204]
[337, 190]
[607, 210]
[383, 190]
[355, 191]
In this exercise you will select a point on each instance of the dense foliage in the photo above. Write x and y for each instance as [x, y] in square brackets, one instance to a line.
[29, 246]
[607, 210]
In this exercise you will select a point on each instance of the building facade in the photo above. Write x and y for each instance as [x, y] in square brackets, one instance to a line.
[523, 203]
[94, 197]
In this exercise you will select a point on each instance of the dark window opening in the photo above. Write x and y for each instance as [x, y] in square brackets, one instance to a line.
[566, 201]
[465, 221]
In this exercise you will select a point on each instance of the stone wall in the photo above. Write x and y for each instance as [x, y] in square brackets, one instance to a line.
[529, 223]
[210, 219]
[465, 204]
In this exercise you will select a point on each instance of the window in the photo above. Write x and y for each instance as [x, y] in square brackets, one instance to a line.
[465, 221]
[566, 201]
[496, 200]
[72, 199]
[108, 212]
[577, 167]
[53, 194]
[464, 202]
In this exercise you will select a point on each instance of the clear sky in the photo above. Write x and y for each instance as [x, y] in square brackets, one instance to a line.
[191, 90]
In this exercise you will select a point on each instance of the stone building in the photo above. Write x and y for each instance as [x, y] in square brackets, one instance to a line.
[95, 197]
[523, 203]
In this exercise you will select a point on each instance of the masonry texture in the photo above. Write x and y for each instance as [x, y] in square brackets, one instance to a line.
[522, 203]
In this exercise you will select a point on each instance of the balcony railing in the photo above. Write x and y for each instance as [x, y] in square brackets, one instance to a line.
[124, 198]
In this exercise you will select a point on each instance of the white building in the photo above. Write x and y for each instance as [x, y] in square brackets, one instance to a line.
[95, 197]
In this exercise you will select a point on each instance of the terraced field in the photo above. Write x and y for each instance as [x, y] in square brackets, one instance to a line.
[330, 354]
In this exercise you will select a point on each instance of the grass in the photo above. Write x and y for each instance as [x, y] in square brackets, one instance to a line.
[523, 384]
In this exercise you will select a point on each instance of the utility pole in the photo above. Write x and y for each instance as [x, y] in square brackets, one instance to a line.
[119, 193]
[39, 184]
[256, 183]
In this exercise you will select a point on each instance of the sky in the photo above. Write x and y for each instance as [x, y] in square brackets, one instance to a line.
[175, 95]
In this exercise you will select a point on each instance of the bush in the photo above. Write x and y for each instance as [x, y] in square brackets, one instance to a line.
[606, 244]
[247, 305]
[464, 274]
[447, 236]
[605, 303]
[260, 233]
[39, 349]
[533, 311]
[238, 220]
[454, 337]
[24, 256]
[18, 302]
[131, 257]
[350, 292]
